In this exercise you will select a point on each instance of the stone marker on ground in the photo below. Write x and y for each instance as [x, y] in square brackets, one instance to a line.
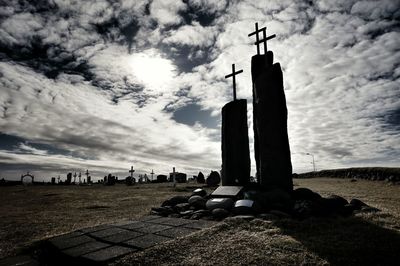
[100, 244]
[227, 192]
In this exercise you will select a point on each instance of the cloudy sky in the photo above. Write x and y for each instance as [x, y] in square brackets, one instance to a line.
[103, 85]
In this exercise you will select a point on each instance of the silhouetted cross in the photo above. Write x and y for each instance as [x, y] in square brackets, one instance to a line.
[131, 171]
[257, 38]
[233, 74]
[265, 39]
[87, 173]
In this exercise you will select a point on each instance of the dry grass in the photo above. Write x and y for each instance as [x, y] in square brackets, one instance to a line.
[32, 213]
[35, 213]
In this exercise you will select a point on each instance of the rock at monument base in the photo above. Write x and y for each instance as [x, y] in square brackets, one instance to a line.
[175, 200]
[219, 213]
[305, 194]
[213, 179]
[181, 207]
[199, 192]
[358, 204]
[235, 144]
[275, 199]
[222, 203]
[244, 207]
[197, 202]
[271, 143]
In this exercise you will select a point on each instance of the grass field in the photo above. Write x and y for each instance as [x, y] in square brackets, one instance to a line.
[30, 214]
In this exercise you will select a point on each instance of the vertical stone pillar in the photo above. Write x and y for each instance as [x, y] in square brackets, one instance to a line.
[235, 144]
[271, 143]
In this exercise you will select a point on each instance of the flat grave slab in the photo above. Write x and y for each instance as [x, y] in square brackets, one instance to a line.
[153, 228]
[104, 243]
[227, 192]
[121, 237]
[85, 248]
[109, 253]
[108, 232]
[147, 241]
[64, 242]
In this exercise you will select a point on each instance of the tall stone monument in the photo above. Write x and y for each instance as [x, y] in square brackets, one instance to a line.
[235, 140]
[271, 143]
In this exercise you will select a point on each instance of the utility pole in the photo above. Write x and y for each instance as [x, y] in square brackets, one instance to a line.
[313, 161]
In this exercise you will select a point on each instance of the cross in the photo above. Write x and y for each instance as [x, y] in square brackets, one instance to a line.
[79, 177]
[257, 38]
[173, 176]
[152, 173]
[87, 174]
[131, 171]
[265, 39]
[74, 177]
[233, 74]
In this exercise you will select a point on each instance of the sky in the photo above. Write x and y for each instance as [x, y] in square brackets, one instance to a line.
[106, 85]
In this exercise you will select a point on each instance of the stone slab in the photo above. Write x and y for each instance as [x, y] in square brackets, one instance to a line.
[171, 221]
[177, 232]
[95, 228]
[227, 192]
[121, 237]
[62, 242]
[108, 254]
[147, 241]
[85, 248]
[153, 228]
[108, 232]
[135, 225]
[148, 218]
[200, 224]
[19, 261]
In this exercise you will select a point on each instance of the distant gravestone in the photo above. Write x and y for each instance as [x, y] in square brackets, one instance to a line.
[53, 180]
[271, 143]
[69, 179]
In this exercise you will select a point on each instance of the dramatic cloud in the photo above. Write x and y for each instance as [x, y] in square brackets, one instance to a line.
[103, 85]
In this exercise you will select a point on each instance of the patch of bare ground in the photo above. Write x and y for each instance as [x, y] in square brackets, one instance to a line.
[32, 213]
[363, 239]
[36, 213]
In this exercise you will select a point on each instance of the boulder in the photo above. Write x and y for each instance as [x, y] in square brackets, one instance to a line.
[305, 194]
[162, 211]
[275, 199]
[199, 192]
[197, 201]
[175, 200]
[200, 214]
[219, 213]
[180, 207]
[357, 204]
[243, 207]
[333, 204]
[221, 203]
[213, 179]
